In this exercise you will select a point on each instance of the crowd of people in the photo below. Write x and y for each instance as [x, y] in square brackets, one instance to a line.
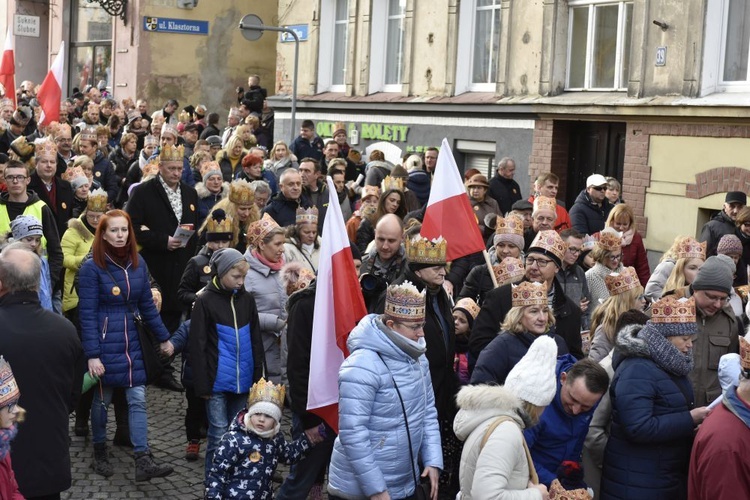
[560, 367]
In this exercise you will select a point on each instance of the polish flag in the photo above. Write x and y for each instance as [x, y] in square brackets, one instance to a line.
[8, 69]
[338, 308]
[449, 212]
[50, 92]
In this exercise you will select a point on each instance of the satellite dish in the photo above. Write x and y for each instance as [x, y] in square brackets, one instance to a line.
[250, 27]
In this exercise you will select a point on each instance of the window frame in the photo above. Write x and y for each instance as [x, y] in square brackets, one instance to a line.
[467, 19]
[75, 44]
[380, 17]
[590, 35]
[327, 42]
[729, 86]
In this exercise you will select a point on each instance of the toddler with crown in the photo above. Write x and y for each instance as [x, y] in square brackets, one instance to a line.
[247, 456]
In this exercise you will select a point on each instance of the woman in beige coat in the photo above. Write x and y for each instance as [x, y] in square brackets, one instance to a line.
[495, 462]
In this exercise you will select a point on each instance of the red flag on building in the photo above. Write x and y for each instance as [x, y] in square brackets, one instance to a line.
[449, 212]
[338, 308]
[8, 68]
[50, 92]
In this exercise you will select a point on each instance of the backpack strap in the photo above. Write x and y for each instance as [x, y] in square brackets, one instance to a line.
[533, 476]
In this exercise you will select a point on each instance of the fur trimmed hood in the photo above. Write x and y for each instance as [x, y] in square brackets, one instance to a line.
[203, 191]
[628, 345]
[479, 403]
[78, 226]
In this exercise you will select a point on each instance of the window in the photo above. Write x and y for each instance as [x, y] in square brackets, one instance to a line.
[334, 29]
[387, 45]
[90, 46]
[736, 44]
[478, 46]
[394, 42]
[599, 37]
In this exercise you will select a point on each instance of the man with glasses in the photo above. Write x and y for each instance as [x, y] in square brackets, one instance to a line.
[723, 222]
[64, 142]
[543, 260]
[572, 277]
[591, 209]
[718, 327]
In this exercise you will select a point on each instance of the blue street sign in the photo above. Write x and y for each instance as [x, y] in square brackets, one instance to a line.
[168, 25]
[299, 29]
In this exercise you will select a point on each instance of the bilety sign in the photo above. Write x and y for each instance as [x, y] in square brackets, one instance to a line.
[168, 25]
[26, 25]
[299, 29]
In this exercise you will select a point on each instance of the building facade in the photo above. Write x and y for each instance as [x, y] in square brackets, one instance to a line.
[655, 94]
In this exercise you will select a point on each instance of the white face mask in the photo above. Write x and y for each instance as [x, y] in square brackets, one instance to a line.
[421, 342]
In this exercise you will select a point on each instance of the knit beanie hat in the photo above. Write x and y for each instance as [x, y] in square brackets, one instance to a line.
[717, 273]
[267, 408]
[223, 259]
[26, 225]
[533, 379]
[729, 244]
[78, 181]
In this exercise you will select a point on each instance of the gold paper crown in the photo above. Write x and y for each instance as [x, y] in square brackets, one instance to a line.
[266, 391]
[150, 169]
[550, 241]
[307, 216]
[304, 278]
[512, 224]
[391, 182]
[744, 354]
[9, 392]
[469, 306]
[337, 127]
[211, 166]
[545, 203]
[259, 229]
[610, 240]
[71, 173]
[689, 248]
[150, 140]
[222, 226]
[22, 148]
[169, 129]
[621, 282]
[423, 251]
[509, 270]
[371, 191]
[404, 303]
[557, 492]
[97, 201]
[63, 130]
[670, 309]
[45, 148]
[89, 134]
[742, 291]
[241, 192]
[184, 116]
[528, 293]
[172, 154]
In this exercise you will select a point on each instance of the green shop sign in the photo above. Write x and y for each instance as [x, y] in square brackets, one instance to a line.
[368, 131]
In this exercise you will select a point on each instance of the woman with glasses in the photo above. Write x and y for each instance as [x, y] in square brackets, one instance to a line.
[622, 219]
[607, 255]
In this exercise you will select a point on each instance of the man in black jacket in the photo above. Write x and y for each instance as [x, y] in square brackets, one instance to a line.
[283, 206]
[503, 188]
[55, 192]
[591, 208]
[723, 222]
[543, 261]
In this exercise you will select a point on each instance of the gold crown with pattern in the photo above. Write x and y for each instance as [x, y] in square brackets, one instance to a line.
[71, 173]
[550, 241]
[169, 129]
[670, 309]
[621, 282]
[610, 240]
[9, 392]
[22, 148]
[241, 192]
[184, 116]
[304, 278]
[558, 492]
[512, 224]
[62, 130]
[150, 140]
[97, 201]
[529, 293]
[689, 248]
[744, 353]
[404, 303]
[370, 191]
[545, 203]
[509, 270]
[45, 148]
[391, 182]
[150, 169]
[307, 215]
[219, 226]
[266, 391]
[259, 229]
[172, 155]
[469, 306]
[89, 134]
[211, 166]
[423, 251]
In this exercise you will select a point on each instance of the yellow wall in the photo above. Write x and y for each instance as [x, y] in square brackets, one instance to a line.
[674, 162]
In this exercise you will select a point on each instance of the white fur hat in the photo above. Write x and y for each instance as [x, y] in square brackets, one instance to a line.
[533, 379]
[267, 408]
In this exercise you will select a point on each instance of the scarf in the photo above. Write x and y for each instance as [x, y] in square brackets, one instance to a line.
[117, 255]
[665, 354]
[263, 434]
[734, 404]
[627, 237]
[6, 436]
[413, 349]
[273, 266]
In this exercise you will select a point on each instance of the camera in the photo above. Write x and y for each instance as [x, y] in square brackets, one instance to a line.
[372, 284]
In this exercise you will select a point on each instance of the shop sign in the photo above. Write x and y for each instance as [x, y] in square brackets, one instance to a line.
[26, 25]
[368, 131]
[299, 29]
[168, 25]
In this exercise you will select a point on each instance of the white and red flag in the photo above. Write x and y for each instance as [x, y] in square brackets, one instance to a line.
[338, 308]
[8, 68]
[50, 92]
[449, 212]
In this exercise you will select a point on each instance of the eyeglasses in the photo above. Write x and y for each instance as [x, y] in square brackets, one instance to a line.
[415, 327]
[615, 257]
[746, 224]
[598, 188]
[713, 298]
[16, 178]
[574, 250]
[12, 407]
[540, 263]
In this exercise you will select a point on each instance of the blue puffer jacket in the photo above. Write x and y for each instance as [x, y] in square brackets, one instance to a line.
[648, 451]
[371, 452]
[558, 436]
[107, 328]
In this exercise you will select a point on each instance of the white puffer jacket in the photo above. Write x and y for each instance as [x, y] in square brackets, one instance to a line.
[500, 470]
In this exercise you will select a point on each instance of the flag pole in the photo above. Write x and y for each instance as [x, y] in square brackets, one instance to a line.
[489, 267]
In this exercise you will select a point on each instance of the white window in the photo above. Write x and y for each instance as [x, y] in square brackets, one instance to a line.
[478, 45]
[735, 45]
[334, 28]
[599, 35]
[387, 49]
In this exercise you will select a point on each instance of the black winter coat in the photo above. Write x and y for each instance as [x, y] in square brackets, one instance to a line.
[586, 216]
[719, 225]
[64, 200]
[460, 269]
[121, 164]
[284, 211]
[154, 222]
[505, 192]
[477, 284]
[197, 274]
[105, 175]
[48, 364]
[498, 302]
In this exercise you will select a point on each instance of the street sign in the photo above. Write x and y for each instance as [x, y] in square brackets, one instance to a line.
[246, 25]
[169, 25]
[661, 56]
[299, 29]
[26, 25]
